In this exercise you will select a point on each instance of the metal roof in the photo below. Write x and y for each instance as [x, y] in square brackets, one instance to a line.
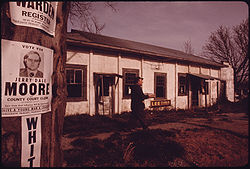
[138, 47]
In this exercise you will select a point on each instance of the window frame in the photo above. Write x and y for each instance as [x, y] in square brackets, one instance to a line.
[156, 74]
[83, 68]
[185, 85]
[124, 71]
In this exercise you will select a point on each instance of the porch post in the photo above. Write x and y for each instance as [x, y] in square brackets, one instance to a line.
[91, 86]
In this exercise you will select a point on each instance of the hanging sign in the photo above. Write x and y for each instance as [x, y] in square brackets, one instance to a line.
[36, 14]
[26, 78]
[31, 141]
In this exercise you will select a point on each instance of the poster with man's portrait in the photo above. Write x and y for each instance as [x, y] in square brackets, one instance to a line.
[31, 64]
[26, 78]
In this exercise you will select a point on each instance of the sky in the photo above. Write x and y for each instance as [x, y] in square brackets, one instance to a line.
[169, 24]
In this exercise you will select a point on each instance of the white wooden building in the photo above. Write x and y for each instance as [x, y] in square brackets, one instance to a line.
[100, 69]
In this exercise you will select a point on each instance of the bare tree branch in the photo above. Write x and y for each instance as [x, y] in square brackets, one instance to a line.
[112, 6]
[230, 45]
[83, 12]
[188, 47]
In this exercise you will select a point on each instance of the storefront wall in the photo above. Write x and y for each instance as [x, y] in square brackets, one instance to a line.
[114, 64]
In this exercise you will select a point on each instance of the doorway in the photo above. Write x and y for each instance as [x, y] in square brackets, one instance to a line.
[105, 86]
[222, 96]
[195, 88]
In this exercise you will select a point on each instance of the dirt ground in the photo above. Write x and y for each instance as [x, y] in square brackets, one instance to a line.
[214, 138]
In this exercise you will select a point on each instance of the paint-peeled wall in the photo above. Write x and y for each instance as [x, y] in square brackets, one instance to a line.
[194, 69]
[74, 108]
[149, 68]
[227, 74]
[148, 81]
[181, 101]
[80, 107]
[127, 63]
[102, 63]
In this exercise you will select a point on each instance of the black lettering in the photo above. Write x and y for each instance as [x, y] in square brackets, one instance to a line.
[23, 89]
[41, 17]
[33, 89]
[31, 161]
[51, 11]
[39, 4]
[10, 88]
[31, 150]
[32, 137]
[24, 13]
[47, 91]
[29, 14]
[48, 21]
[45, 7]
[41, 88]
[30, 4]
[34, 15]
[18, 3]
[31, 122]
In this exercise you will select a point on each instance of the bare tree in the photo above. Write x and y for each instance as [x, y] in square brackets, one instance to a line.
[83, 12]
[230, 45]
[241, 45]
[188, 47]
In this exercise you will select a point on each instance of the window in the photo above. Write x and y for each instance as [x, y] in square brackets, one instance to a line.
[182, 84]
[76, 76]
[160, 85]
[128, 80]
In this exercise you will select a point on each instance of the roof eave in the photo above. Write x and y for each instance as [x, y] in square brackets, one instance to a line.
[136, 51]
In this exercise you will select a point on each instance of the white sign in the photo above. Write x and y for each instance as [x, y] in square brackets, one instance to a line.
[31, 141]
[26, 78]
[36, 14]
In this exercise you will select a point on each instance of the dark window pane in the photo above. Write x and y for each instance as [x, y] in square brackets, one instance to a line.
[160, 80]
[130, 78]
[74, 90]
[182, 80]
[70, 76]
[76, 85]
[78, 76]
[160, 85]
[182, 85]
[160, 92]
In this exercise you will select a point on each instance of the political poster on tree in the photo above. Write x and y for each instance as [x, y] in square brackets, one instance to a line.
[26, 78]
[36, 14]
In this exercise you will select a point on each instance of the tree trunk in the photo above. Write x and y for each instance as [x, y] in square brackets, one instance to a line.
[51, 122]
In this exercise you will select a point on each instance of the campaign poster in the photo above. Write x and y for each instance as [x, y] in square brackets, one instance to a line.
[26, 78]
[31, 141]
[36, 14]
